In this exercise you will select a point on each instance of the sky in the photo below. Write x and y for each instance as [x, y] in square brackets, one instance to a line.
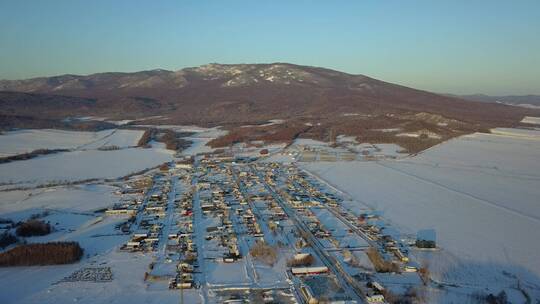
[453, 46]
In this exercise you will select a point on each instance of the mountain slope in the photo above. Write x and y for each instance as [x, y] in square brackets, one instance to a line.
[237, 94]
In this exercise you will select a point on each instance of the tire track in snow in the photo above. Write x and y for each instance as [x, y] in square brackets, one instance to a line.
[472, 196]
[97, 140]
[483, 169]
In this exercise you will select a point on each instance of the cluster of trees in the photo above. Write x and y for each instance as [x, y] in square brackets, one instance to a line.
[147, 136]
[306, 260]
[380, 264]
[173, 142]
[410, 296]
[42, 254]
[171, 139]
[264, 252]
[33, 227]
[29, 155]
[366, 129]
[287, 133]
[275, 133]
[425, 243]
[7, 239]
[384, 128]
[109, 148]
[234, 136]
[500, 298]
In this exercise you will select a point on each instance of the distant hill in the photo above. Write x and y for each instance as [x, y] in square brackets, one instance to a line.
[314, 102]
[527, 101]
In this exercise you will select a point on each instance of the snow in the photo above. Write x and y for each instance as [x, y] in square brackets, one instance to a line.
[201, 138]
[22, 141]
[18, 205]
[309, 142]
[417, 134]
[392, 150]
[270, 122]
[408, 135]
[531, 120]
[70, 212]
[125, 287]
[527, 105]
[282, 157]
[81, 165]
[120, 122]
[219, 273]
[479, 193]
[121, 138]
[524, 133]
[389, 130]
[346, 139]
[243, 150]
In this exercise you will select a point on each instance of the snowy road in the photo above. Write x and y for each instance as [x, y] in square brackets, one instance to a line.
[348, 283]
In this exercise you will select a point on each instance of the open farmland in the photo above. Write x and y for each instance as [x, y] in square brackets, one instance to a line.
[72, 156]
[81, 165]
[25, 141]
[478, 193]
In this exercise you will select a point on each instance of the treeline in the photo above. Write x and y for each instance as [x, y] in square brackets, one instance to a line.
[264, 252]
[7, 239]
[410, 144]
[172, 141]
[29, 155]
[380, 264]
[33, 227]
[275, 133]
[10, 122]
[146, 138]
[109, 148]
[42, 254]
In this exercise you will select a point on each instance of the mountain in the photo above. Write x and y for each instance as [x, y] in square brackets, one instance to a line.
[527, 101]
[329, 102]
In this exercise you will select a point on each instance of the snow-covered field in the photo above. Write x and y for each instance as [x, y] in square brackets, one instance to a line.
[523, 133]
[22, 141]
[481, 195]
[81, 165]
[20, 204]
[531, 120]
[70, 211]
[201, 137]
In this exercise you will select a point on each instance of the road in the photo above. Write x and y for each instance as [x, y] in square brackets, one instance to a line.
[170, 212]
[199, 240]
[348, 283]
[336, 213]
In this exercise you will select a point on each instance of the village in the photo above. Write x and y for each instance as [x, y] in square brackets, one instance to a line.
[235, 230]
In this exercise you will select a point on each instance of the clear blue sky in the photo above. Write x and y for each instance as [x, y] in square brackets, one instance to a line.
[451, 46]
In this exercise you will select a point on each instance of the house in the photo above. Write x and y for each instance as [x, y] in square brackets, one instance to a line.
[375, 298]
[121, 211]
[133, 245]
[309, 270]
[140, 234]
[183, 166]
